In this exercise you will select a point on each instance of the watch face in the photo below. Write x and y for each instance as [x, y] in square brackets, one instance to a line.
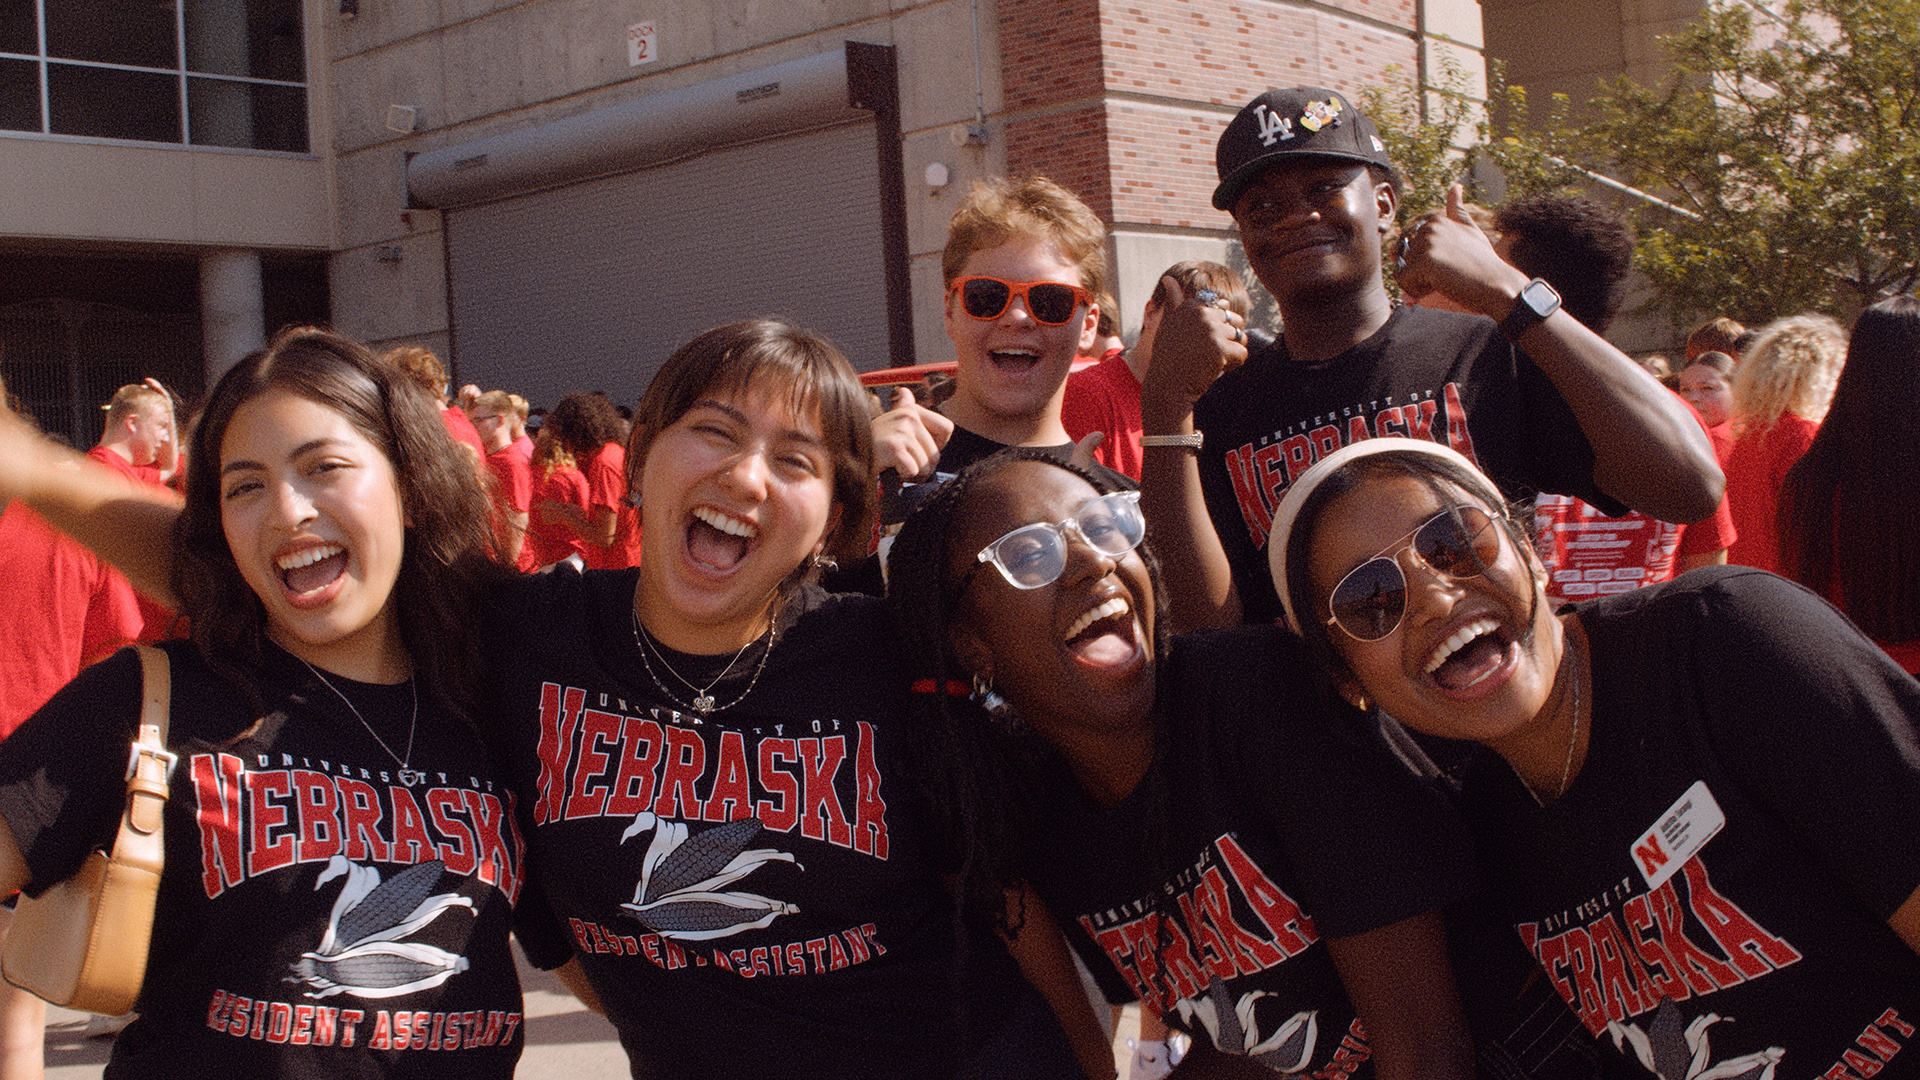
[1540, 296]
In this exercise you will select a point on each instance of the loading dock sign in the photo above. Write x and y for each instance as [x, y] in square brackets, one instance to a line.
[640, 44]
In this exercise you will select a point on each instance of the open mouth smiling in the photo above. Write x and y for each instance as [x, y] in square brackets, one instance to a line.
[1473, 652]
[719, 540]
[1019, 360]
[312, 568]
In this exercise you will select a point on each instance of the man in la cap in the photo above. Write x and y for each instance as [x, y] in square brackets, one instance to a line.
[1538, 400]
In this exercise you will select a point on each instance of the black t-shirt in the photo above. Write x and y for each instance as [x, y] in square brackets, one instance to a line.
[1710, 895]
[318, 916]
[750, 892]
[1262, 829]
[1424, 375]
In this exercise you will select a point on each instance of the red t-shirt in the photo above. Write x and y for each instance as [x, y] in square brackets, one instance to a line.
[607, 488]
[1756, 470]
[64, 609]
[512, 492]
[157, 623]
[549, 542]
[1106, 397]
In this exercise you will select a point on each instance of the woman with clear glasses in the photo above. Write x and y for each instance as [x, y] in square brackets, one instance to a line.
[1190, 810]
[1700, 812]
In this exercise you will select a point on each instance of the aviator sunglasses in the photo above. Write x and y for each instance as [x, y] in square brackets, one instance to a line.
[1371, 600]
[1051, 303]
[1035, 555]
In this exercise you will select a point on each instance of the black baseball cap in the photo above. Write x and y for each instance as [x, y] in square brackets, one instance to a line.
[1282, 123]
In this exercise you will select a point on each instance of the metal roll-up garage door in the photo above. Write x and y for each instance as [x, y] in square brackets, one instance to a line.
[592, 286]
[582, 251]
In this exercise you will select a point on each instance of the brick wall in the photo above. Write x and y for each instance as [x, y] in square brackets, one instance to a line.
[1121, 100]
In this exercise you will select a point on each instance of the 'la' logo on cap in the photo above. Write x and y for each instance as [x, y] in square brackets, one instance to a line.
[1273, 126]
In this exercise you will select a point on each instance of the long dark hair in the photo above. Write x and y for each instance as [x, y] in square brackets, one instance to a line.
[971, 766]
[1849, 509]
[449, 544]
[583, 423]
[817, 378]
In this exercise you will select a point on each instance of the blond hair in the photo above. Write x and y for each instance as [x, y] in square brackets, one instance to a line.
[1001, 209]
[1791, 367]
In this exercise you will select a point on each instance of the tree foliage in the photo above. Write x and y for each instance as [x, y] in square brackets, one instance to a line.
[1797, 144]
[1790, 143]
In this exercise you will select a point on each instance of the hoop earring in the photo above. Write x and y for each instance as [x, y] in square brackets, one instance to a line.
[822, 562]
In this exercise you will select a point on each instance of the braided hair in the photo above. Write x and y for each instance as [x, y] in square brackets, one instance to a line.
[976, 770]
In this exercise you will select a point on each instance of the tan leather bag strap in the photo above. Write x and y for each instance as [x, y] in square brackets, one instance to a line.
[149, 764]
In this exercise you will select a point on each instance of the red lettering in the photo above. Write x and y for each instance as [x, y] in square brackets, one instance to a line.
[1249, 953]
[1292, 930]
[782, 813]
[325, 1022]
[729, 797]
[271, 844]
[822, 817]
[599, 736]
[1651, 854]
[1297, 454]
[319, 810]
[444, 805]
[1891, 1019]
[1240, 471]
[216, 794]
[1754, 951]
[490, 852]
[1458, 436]
[1619, 974]
[360, 806]
[1668, 980]
[643, 743]
[302, 1025]
[1420, 419]
[411, 844]
[869, 809]
[686, 760]
[1877, 1042]
[1325, 439]
[1861, 1063]
[1357, 430]
[1702, 970]
[1392, 422]
[556, 740]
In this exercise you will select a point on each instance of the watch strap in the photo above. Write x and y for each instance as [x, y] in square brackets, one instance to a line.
[1536, 301]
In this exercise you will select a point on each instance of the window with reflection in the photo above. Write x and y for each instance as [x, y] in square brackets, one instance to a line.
[225, 73]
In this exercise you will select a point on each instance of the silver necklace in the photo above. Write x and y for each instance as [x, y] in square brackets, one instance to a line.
[408, 775]
[703, 703]
[1573, 739]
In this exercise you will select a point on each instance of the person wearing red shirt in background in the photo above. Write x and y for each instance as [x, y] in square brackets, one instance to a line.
[1780, 394]
[1106, 397]
[493, 417]
[426, 369]
[559, 493]
[140, 441]
[608, 531]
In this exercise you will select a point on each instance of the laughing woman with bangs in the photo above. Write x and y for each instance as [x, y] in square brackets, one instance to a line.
[1700, 811]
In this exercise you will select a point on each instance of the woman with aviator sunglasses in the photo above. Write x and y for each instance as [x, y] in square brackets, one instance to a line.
[1209, 838]
[1693, 813]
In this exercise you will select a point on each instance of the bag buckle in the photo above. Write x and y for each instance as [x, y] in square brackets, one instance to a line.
[165, 757]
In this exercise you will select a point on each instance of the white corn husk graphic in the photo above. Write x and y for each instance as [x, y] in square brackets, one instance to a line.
[679, 894]
[360, 953]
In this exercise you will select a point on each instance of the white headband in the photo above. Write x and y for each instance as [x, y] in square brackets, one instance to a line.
[1283, 519]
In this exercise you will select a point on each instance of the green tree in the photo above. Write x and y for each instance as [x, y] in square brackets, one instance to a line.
[1795, 143]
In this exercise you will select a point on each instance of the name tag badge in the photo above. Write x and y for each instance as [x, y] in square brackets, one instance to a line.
[1679, 835]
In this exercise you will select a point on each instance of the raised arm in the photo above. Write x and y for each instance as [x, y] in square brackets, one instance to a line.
[1195, 343]
[126, 523]
[1648, 452]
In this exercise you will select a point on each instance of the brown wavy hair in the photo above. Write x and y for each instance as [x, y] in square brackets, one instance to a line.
[450, 550]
